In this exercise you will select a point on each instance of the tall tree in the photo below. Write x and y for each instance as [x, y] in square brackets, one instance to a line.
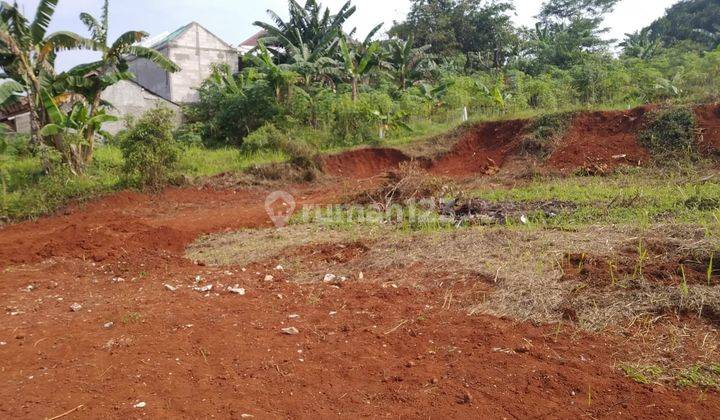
[91, 80]
[467, 27]
[27, 56]
[567, 30]
[690, 20]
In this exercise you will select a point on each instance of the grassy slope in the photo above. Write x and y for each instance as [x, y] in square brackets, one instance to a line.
[26, 193]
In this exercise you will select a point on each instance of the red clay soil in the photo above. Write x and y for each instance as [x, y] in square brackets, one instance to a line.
[364, 163]
[709, 121]
[362, 350]
[481, 150]
[606, 139]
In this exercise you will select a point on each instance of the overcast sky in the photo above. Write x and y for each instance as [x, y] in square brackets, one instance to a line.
[232, 19]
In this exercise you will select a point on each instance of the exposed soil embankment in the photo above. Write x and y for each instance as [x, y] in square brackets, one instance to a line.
[595, 141]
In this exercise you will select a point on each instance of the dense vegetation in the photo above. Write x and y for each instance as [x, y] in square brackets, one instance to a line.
[312, 84]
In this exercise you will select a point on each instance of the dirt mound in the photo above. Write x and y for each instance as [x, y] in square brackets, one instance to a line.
[364, 163]
[601, 140]
[482, 150]
[709, 121]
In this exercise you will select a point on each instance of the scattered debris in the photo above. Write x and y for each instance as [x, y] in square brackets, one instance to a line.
[293, 316]
[269, 278]
[141, 404]
[29, 288]
[76, 307]
[206, 288]
[329, 278]
[170, 288]
[2, 343]
[108, 325]
[290, 331]
[236, 290]
[279, 268]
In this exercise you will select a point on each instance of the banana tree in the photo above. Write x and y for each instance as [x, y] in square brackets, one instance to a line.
[403, 62]
[359, 60]
[280, 76]
[90, 80]
[389, 121]
[27, 56]
[73, 128]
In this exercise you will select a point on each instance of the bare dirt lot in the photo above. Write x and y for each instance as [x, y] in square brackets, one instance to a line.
[108, 310]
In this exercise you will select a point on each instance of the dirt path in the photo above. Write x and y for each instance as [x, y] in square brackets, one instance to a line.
[362, 350]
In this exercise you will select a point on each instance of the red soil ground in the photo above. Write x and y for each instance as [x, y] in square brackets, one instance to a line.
[364, 163]
[709, 121]
[602, 138]
[363, 350]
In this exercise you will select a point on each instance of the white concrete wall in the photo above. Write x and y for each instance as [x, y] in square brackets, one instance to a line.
[129, 98]
[195, 52]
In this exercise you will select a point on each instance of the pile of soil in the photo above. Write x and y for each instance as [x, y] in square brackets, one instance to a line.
[482, 150]
[363, 163]
[603, 140]
[709, 121]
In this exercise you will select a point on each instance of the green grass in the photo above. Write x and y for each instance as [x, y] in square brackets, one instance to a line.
[26, 192]
[643, 374]
[641, 197]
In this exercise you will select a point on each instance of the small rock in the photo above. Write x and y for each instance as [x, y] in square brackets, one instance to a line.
[170, 287]
[333, 313]
[29, 288]
[361, 275]
[207, 288]
[246, 416]
[279, 268]
[269, 278]
[329, 278]
[290, 331]
[2, 343]
[293, 316]
[76, 307]
[108, 325]
[524, 220]
[141, 404]
[236, 290]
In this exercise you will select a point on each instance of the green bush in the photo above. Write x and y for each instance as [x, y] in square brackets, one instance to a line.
[670, 131]
[149, 149]
[266, 138]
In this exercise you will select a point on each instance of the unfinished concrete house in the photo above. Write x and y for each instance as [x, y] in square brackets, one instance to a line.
[195, 50]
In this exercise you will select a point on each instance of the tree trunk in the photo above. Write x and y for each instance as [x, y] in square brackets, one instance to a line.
[36, 142]
[354, 89]
[87, 150]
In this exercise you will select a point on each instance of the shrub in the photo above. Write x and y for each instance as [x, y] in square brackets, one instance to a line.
[149, 149]
[670, 131]
[544, 131]
[267, 137]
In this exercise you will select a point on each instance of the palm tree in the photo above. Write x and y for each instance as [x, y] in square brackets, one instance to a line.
[404, 63]
[90, 80]
[360, 60]
[308, 26]
[27, 56]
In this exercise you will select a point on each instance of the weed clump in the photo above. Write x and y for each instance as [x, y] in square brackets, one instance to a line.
[544, 132]
[670, 133]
